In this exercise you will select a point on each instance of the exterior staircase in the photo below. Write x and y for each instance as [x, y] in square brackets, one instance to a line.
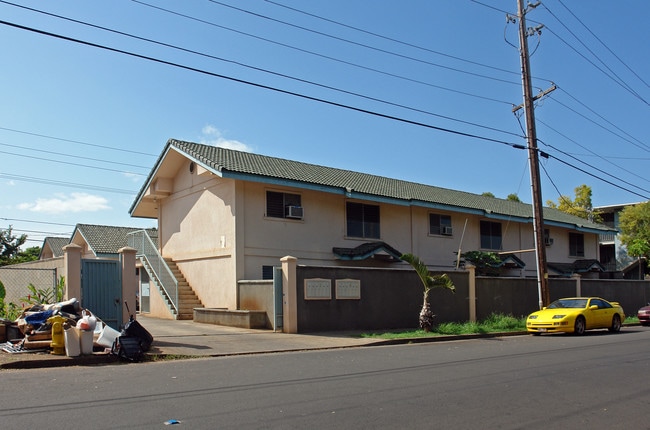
[187, 298]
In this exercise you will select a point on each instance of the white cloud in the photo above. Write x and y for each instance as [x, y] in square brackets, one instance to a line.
[212, 136]
[61, 203]
[133, 177]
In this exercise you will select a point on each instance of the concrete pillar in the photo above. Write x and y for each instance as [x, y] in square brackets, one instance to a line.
[471, 274]
[129, 280]
[578, 280]
[289, 295]
[72, 272]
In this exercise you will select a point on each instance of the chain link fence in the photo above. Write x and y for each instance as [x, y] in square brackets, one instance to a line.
[16, 280]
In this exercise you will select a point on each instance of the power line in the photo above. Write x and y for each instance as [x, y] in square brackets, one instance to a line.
[71, 164]
[327, 57]
[603, 43]
[592, 153]
[76, 141]
[360, 44]
[270, 88]
[75, 185]
[257, 85]
[599, 178]
[622, 85]
[38, 222]
[72, 156]
[381, 36]
[282, 74]
[646, 147]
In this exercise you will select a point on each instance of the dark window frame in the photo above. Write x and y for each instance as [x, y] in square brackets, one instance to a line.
[576, 245]
[278, 201]
[491, 235]
[438, 222]
[362, 220]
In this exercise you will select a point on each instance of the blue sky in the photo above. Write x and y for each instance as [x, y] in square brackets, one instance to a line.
[383, 87]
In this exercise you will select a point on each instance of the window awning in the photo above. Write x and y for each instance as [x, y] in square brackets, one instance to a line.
[578, 266]
[377, 250]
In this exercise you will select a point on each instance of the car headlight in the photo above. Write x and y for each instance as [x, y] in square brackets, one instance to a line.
[557, 317]
[532, 317]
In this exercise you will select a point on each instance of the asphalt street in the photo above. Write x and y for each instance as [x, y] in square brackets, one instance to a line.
[593, 381]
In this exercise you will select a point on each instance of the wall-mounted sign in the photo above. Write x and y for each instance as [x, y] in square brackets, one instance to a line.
[318, 289]
[348, 289]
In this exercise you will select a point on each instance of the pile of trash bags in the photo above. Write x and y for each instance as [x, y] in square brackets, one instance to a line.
[65, 328]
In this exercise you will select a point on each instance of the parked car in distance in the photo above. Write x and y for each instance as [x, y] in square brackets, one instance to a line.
[575, 315]
[644, 315]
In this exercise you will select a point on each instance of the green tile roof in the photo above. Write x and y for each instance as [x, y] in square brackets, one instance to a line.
[104, 239]
[261, 168]
[56, 244]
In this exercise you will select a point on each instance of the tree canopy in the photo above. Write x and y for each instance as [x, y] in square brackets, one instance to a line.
[580, 207]
[634, 223]
[10, 252]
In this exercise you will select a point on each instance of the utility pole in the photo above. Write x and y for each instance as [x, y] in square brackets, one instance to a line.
[533, 158]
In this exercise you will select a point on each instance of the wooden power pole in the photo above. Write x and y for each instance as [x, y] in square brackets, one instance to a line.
[533, 158]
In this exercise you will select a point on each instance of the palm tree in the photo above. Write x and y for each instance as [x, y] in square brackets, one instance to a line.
[429, 281]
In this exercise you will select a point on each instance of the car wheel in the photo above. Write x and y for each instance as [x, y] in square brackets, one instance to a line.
[579, 327]
[616, 324]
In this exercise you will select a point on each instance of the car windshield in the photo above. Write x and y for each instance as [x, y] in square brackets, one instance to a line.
[568, 303]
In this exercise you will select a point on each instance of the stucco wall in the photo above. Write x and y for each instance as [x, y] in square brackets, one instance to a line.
[218, 233]
[197, 232]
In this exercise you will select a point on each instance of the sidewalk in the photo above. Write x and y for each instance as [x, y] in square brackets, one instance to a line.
[185, 339]
[190, 339]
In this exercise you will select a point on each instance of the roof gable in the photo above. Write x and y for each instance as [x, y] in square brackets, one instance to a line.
[104, 239]
[260, 168]
[55, 245]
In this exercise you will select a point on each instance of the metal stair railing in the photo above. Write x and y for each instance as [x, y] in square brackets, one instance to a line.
[147, 250]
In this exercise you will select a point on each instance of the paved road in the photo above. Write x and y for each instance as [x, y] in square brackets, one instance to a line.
[595, 381]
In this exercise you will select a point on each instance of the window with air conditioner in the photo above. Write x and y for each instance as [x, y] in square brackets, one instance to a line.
[440, 224]
[548, 240]
[283, 205]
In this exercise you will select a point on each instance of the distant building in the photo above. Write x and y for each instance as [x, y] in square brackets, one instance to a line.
[613, 254]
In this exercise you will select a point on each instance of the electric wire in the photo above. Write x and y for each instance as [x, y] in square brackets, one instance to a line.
[285, 75]
[75, 185]
[645, 146]
[407, 57]
[71, 163]
[282, 91]
[257, 85]
[646, 197]
[381, 36]
[72, 156]
[634, 93]
[591, 152]
[38, 222]
[614, 76]
[603, 43]
[640, 146]
[594, 167]
[327, 57]
[76, 141]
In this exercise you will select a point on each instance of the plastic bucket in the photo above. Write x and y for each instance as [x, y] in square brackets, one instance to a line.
[107, 336]
[71, 339]
[86, 337]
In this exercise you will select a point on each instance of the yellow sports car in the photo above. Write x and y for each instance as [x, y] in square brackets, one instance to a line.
[575, 315]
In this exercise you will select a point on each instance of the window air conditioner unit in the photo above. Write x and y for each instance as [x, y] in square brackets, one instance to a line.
[447, 231]
[548, 241]
[293, 212]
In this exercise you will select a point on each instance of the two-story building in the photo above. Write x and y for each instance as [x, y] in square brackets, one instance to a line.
[225, 216]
